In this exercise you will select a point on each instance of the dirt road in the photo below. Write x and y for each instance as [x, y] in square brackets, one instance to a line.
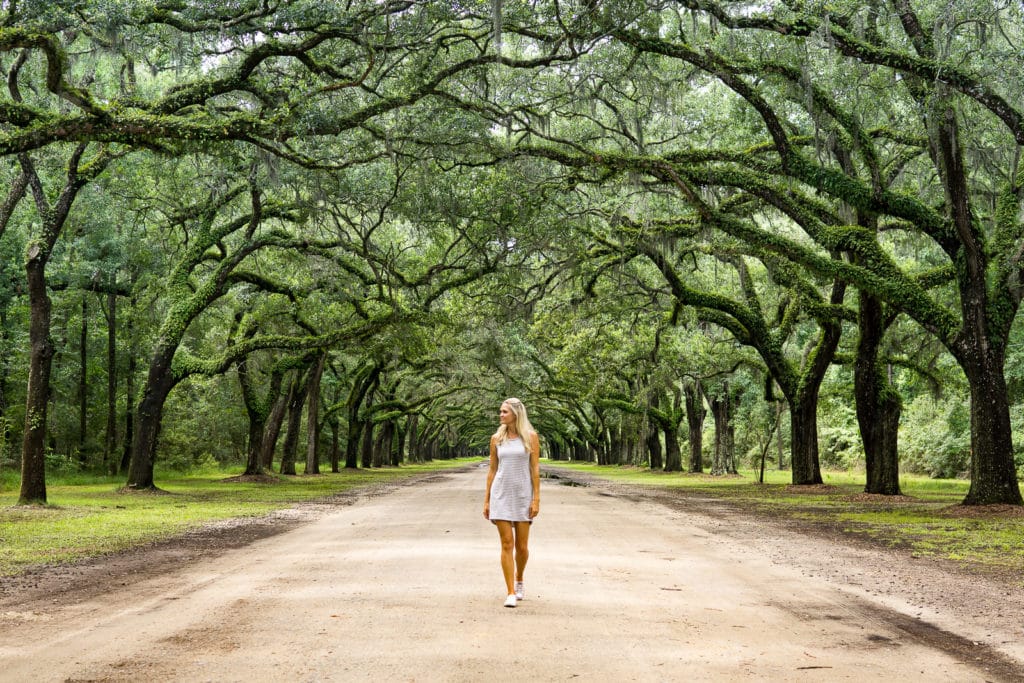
[406, 587]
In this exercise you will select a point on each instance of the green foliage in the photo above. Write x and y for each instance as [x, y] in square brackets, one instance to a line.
[589, 225]
[839, 436]
[935, 436]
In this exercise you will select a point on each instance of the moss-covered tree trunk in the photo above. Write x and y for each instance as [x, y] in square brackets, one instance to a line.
[803, 398]
[296, 401]
[363, 384]
[33, 447]
[313, 417]
[987, 313]
[256, 411]
[654, 447]
[673, 455]
[723, 410]
[877, 402]
[51, 221]
[804, 438]
[412, 429]
[366, 443]
[148, 417]
[83, 381]
[993, 473]
[398, 452]
[335, 446]
[129, 411]
[259, 412]
[273, 429]
[695, 414]
[110, 434]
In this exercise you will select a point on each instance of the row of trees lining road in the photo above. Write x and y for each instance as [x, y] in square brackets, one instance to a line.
[379, 219]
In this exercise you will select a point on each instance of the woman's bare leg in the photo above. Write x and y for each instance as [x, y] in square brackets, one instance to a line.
[507, 544]
[522, 547]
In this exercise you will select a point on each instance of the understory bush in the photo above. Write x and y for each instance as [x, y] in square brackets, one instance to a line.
[839, 441]
[935, 437]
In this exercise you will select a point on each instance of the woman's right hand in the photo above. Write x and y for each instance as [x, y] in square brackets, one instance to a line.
[487, 510]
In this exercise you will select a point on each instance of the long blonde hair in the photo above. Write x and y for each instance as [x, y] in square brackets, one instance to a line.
[523, 426]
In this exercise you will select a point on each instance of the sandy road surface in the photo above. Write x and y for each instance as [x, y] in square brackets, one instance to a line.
[406, 587]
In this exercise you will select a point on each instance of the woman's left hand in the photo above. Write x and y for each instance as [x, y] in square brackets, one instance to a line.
[534, 508]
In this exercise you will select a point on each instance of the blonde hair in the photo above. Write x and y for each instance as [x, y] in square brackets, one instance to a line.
[522, 426]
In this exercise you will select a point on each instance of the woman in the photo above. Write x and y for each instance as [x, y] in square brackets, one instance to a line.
[513, 491]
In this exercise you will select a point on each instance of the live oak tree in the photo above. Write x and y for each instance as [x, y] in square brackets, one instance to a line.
[943, 88]
[854, 122]
[404, 153]
[172, 78]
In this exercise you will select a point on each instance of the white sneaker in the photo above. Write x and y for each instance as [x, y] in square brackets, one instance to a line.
[519, 590]
[510, 601]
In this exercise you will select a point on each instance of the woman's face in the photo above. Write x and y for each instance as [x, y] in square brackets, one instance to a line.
[506, 416]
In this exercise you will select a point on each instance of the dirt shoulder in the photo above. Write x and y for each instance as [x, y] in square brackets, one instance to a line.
[82, 581]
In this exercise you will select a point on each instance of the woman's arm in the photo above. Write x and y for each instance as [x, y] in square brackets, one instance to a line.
[535, 474]
[492, 469]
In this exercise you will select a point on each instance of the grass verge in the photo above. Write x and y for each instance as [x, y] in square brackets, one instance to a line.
[88, 516]
[927, 519]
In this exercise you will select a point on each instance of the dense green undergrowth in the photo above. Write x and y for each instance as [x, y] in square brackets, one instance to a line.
[88, 516]
[927, 519]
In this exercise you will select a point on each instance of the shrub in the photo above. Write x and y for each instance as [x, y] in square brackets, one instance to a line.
[935, 437]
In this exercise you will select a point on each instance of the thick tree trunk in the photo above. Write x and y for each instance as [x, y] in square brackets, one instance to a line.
[110, 437]
[300, 387]
[257, 415]
[377, 456]
[555, 448]
[695, 413]
[313, 417]
[878, 403]
[987, 316]
[254, 447]
[722, 411]
[398, 455]
[273, 430]
[804, 439]
[993, 473]
[129, 412]
[149, 415]
[355, 431]
[615, 445]
[83, 381]
[583, 453]
[803, 401]
[673, 457]
[366, 445]
[780, 451]
[414, 446]
[361, 388]
[654, 447]
[335, 447]
[33, 448]
[52, 219]
[5, 425]
[385, 443]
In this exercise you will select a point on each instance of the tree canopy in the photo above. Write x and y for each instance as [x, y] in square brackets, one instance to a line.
[381, 218]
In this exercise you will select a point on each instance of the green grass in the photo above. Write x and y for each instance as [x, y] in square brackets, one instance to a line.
[87, 515]
[928, 523]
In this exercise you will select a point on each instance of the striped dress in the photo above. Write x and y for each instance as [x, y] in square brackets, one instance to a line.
[512, 488]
